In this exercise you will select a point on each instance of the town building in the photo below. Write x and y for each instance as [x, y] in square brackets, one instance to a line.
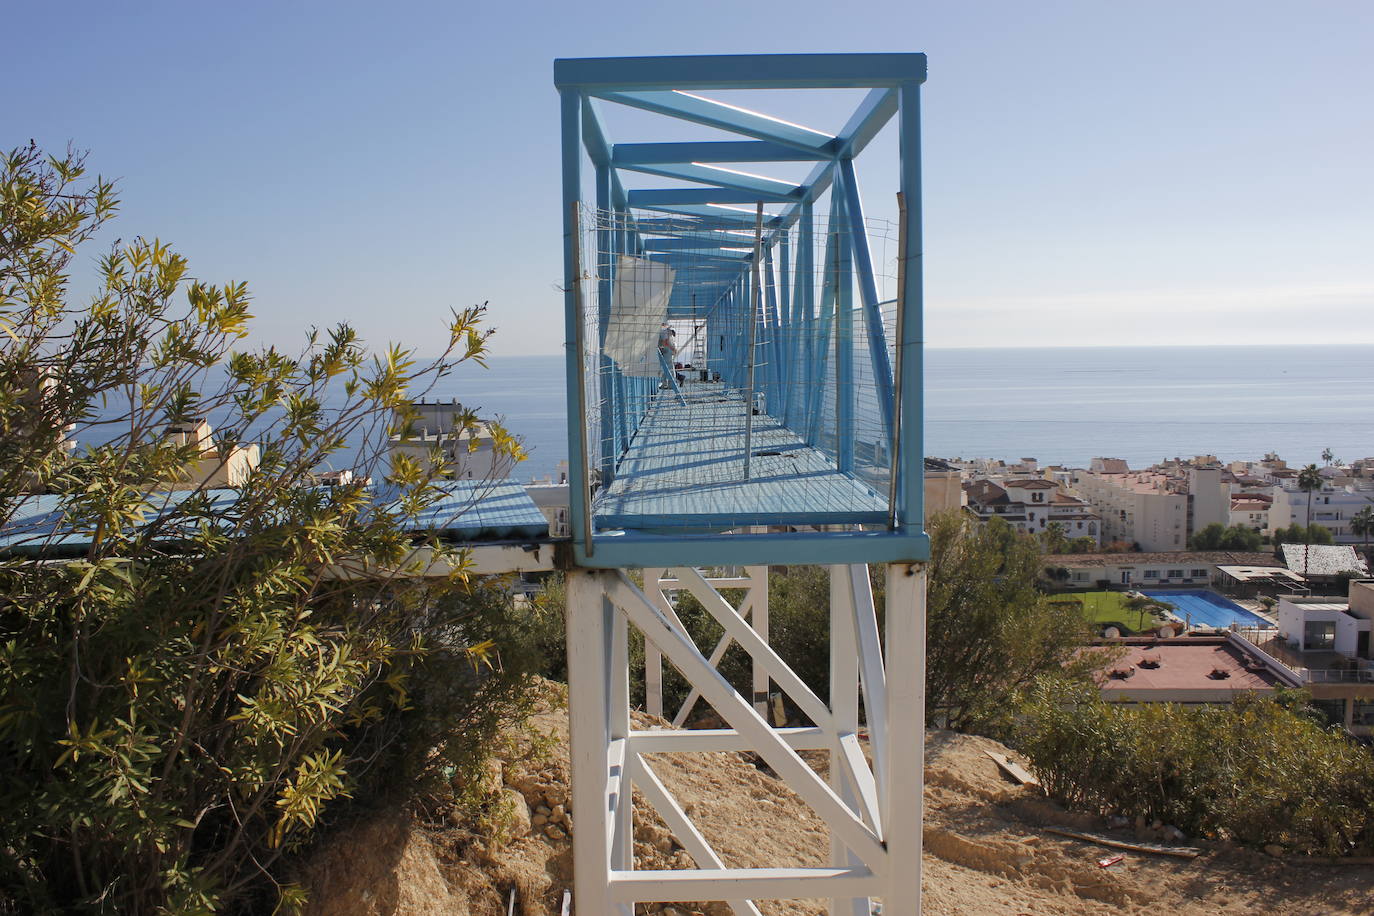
[1031, 505]
[1325, 641]
[1146, 570]
[1144, 509]
[1187, 670]
[444, 431]
[1332, 507]
[216, 465]
[942, 487]
[1251, 510]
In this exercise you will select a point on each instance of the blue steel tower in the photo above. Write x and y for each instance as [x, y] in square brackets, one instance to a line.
[744, 390]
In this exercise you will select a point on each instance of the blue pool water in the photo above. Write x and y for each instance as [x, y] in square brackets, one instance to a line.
[1208, 609]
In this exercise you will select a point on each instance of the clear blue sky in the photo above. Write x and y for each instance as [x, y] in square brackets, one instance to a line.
[1096, 173]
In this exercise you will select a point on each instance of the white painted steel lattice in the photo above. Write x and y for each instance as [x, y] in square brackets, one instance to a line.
[872, 813]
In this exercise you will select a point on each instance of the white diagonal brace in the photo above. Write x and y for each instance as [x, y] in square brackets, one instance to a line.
[861, 778]
[722, 646]
[681, 825]
[754, 644]
[800, 778]
[668, 741]
[872, 672]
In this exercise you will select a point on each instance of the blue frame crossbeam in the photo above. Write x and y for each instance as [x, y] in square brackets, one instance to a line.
[785, 390]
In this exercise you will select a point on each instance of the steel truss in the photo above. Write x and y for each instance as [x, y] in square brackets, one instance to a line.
[873, 813]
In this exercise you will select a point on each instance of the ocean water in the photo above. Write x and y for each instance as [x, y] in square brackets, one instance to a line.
[1060, 406]
[1144, 404]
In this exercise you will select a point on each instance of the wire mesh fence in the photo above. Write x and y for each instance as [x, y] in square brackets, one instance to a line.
[737, 372]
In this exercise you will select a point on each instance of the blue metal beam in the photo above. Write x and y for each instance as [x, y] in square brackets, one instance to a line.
[570, 106]
[627, 154]
[737, 220]
[682, 225]
[723, 178]
[656, 197]
[725, 117]
[703, 241]
[735, 71]
[868, 291]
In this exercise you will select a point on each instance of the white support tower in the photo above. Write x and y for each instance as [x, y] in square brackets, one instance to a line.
[873, 813]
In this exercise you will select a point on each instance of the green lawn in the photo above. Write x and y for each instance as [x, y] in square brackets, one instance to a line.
[1104, 608]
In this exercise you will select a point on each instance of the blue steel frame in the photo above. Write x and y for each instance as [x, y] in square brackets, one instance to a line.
[664, 85]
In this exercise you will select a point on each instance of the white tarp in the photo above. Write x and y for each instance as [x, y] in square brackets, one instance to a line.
[639, 304]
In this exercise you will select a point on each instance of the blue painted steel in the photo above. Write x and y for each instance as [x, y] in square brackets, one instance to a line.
[845, 393]
[732, 195]
[624, 155]
[634, 549]
[742, 71]
[608, 371]
[794, 334]
[570, 106]
[868, 291]
[774, 189]
[910, 460]
[469, 512]
[725, 117]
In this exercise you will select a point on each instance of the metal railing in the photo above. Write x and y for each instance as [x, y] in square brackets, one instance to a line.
[1340, 676]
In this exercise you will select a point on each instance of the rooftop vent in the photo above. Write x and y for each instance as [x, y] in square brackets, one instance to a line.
[1219, 674]
[1150, 661]
[1121, 674]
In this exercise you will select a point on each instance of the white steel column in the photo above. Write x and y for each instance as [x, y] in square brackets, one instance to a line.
[844, 705]
[757, 599]
[595, 787]
[903, 808]
[653, 659]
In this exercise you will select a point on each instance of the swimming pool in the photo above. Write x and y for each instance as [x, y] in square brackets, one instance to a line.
[1208, 609]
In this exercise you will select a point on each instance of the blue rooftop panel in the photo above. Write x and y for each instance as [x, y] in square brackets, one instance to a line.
[471, 511]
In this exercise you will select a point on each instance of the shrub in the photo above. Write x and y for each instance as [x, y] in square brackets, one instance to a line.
[1259, 770]
[188, 690]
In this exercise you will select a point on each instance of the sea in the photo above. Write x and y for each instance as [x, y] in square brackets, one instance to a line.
[1056, 405]
[1062, 405]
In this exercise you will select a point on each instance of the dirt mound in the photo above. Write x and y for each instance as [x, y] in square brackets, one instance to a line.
[985, 849]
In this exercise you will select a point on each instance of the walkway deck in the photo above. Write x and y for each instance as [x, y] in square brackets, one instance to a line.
[685, 469]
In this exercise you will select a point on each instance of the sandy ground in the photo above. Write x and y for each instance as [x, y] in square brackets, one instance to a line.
[985, 849]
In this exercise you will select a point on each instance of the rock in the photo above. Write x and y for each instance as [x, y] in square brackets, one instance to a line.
[1173, 834]
[1275, 850]
[554, 832]
[557, 796]
[556, 813]
[513, 814]
[539, 820]
[543, 809]
[664, 843]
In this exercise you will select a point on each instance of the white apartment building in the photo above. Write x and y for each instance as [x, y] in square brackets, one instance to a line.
[1031, 505]
[1142, 508]
[1138, 508]
[1333, 507]
[1251, 510]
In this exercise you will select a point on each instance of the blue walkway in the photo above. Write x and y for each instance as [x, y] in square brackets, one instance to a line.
[685, 468]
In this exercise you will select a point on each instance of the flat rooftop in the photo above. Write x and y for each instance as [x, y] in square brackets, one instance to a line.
[1185, 663]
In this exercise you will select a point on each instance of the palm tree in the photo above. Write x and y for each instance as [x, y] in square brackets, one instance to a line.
[1363, 525]
[1328, 456]
[1309, 481]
